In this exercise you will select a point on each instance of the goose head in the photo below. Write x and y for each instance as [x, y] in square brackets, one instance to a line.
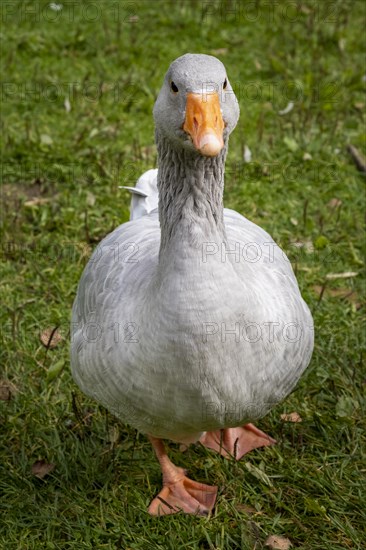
[196, 108]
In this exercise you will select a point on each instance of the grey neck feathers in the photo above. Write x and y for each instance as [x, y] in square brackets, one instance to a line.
[190, 196]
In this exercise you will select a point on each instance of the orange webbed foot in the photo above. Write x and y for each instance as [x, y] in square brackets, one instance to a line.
[179, 493]
[185, 495]
[236, 442]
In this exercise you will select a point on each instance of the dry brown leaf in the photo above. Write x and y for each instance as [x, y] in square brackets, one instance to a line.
[278, 543]
[5, 393]
[320, 290]
[247, 509]
[7, 389]
[37, 201]
[50, 337]
[305, 9]
[342, 293]
[334, 203]
[41, 468]
[291, 417]
[334, 292]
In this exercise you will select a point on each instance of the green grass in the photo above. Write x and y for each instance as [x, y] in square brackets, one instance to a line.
[60, 196]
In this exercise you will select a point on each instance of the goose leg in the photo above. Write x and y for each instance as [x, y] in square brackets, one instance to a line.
[179, 493]
[236, 442]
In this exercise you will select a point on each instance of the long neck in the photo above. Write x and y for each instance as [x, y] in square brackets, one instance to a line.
[190, 197]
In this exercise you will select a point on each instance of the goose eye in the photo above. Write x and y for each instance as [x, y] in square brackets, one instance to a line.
[173, 87]
[225, 84]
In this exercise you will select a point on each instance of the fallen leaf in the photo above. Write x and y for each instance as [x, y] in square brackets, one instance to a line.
[41, 468]
[335, 292]
[7, 389]
[305, 9]
[37, 201]
[277, 542]
[334, 203]
[257, 64]
[50, 337]
[5, 393]
[247, 509]
[291, 417]
[342, 293]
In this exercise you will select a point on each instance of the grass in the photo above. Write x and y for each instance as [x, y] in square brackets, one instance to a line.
[78, 93]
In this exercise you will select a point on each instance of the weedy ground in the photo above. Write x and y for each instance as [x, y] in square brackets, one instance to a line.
[79, 84]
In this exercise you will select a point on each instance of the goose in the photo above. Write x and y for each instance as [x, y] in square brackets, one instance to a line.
[188, 323]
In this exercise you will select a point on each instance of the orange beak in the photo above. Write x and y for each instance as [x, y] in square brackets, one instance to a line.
[204, 123]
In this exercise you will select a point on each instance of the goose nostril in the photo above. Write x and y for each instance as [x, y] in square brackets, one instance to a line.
[195, 122]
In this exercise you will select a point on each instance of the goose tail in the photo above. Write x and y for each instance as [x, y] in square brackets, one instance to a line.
[144, 194]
